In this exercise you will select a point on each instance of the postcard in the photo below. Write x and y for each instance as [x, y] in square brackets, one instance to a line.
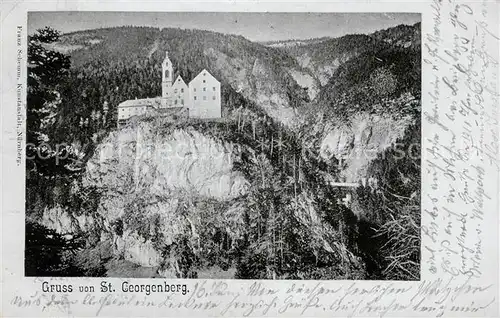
[250, 159]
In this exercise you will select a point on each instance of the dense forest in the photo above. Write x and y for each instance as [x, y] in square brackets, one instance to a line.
[77, 80]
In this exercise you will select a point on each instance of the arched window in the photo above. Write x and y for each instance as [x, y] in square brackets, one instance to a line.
[167, 73]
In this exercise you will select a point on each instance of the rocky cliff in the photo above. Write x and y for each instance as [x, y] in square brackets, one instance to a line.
[355, 144]
[181, 200]
[257, 80]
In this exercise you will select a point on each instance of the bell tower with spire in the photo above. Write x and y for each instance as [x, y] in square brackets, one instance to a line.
[166, 83]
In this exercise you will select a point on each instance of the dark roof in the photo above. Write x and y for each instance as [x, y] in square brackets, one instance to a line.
[139, 102]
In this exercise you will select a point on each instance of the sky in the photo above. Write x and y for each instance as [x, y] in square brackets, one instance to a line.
[254, 26]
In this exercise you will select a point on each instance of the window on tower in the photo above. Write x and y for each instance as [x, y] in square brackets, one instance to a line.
[182, 90]
[167, 73]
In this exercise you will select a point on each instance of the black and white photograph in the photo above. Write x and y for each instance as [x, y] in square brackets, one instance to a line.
[223, 145]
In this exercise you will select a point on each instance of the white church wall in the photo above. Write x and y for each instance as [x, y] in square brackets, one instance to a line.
[180, 93]
[205, 95]
[130, 111]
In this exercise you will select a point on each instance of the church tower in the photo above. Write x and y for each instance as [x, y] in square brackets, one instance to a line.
[166, 83]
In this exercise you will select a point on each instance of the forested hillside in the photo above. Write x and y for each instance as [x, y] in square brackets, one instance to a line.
[185, 217]
[323, 56]
[371, 82]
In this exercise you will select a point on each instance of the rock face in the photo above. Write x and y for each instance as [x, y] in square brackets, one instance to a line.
[147, 183]
[138, 250]
[271, 97]
[63, 222]
[256, 81]
[141, 160]
[323, 70]
[356, 144]
[306, 80]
